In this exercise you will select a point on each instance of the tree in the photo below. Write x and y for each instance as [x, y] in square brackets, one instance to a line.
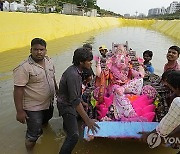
[26, 3]
[91, 3]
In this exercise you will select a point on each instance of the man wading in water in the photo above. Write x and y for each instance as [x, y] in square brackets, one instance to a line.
[70, 101]
[34, 89]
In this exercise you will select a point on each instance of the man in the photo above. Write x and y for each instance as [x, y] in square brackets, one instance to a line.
[172, 57]
[147, 56]
[169, 125]
[34, 88]
[171, 120]
[70, 101]
[88, 46]
[103, 51]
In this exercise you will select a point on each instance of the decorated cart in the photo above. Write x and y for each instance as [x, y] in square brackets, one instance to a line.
[126, 99]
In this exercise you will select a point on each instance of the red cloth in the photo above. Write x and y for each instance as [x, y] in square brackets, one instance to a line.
[167, 67]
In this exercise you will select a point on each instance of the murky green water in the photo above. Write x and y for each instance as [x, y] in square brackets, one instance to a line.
[12, 133]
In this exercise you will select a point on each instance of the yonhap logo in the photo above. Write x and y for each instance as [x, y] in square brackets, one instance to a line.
[153, 140]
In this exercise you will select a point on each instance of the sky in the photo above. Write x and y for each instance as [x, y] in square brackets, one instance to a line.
[131, 6]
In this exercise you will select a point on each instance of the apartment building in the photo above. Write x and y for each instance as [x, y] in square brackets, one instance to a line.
[174, 6]
[156, 11]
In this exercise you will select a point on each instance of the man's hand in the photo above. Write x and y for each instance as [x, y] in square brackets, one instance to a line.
[92, 126]
[18, 100]
[89, 122]
[21, 116]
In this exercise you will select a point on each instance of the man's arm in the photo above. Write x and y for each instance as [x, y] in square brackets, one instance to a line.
[18, 100]
[169, 125]
[171, 120]
[74, 90]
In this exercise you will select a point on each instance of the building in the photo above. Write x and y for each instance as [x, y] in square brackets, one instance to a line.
[69, 8]
[127, 15]
[92, 13]
[174, 6]
[14, 6]
[157, 11]
[141, 15]
[163, 11]
[154, 11]
[73, 9]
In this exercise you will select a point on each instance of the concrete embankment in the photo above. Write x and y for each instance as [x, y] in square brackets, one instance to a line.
[168, 27]
[17, 29]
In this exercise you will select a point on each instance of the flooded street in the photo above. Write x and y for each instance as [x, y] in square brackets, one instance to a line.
[12, 133]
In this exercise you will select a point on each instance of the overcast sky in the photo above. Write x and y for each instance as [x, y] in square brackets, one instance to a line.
[131, 6]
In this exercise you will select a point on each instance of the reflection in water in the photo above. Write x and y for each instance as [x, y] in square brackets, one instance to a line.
[61, 50]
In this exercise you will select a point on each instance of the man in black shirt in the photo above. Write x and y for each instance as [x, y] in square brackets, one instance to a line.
[70, 101]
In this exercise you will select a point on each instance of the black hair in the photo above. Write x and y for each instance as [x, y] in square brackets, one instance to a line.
[165, 74]
[148, 52]
[173, 79]
[87, 45]
[38, 41]
[86, 73]
[176, 48]
[82, 55]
